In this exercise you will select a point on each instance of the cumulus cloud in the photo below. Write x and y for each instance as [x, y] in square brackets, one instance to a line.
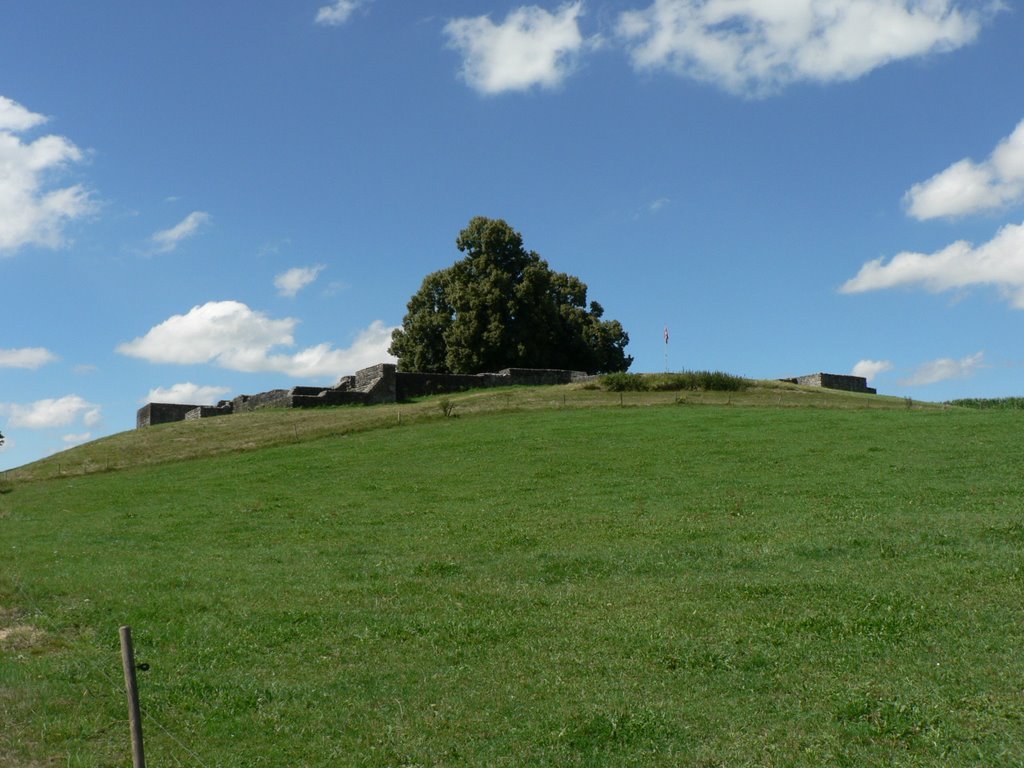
[755, 47]
[78, 439]
[226, 331]
[944, 369]
[14, 117]
[166, 240]
[869, 369]
[26, 357]
[295, 279]
[530, 47]
[233, 336]
[31, 213]
[59, 412]
[186, 392]
[999, 263]
[968, 187]
[336, 13]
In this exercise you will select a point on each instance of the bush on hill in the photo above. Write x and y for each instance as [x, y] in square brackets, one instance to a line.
[674, 382]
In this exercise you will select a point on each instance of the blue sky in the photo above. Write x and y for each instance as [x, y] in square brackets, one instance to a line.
[199, 200]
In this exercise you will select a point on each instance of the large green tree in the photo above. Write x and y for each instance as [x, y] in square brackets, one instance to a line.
[502, 306]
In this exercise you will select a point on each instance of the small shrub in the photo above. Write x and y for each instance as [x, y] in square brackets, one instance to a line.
[446, 406]
[623, 382]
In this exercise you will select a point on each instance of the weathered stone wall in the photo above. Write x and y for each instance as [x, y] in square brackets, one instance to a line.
[420, 384]
[275, 398]
[411, 385]
[834, 381]
[330, 397]
[160, 413]
[207, 411]
[381, 383]
[539, 377]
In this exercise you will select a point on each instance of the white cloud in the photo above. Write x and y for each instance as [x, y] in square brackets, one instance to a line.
[337, 12]
[186, 392]
[869, 369]
[52, 413]
[31, 213]
[755, 47]
[233, 336]
[14, 117]
[166, 240]
[294, 280]
[27, 357]
[944, 369]
[531, 47]
[999, 263]
[77, 439]
[226, 331]
[967, 187]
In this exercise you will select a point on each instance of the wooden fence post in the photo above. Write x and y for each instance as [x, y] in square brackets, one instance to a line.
[132, 689]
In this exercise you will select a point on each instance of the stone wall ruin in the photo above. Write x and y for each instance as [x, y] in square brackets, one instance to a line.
[834, 381]
[381, 383]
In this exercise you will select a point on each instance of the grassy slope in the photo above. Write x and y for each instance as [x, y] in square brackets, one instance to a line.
[262, 429]
[630, 586]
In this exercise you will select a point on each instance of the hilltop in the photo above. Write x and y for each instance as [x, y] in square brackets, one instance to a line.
[270, 427]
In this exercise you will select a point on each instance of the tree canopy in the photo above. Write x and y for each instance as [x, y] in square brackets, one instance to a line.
[502, 306]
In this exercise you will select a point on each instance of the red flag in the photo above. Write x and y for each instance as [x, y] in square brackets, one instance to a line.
[666, 334]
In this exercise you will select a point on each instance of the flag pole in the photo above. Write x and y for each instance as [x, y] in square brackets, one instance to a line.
[666, 349]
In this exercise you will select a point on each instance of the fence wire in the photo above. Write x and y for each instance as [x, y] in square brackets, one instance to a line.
[115, 686]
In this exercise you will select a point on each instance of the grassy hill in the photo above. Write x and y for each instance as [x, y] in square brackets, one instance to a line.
[776, 577]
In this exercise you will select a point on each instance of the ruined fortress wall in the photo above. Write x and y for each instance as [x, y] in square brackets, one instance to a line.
[420, 384]
[275, 398]
[411, 385]
[835, 381]
[539, 377]
[206, 411]
[160, 413]
[329, 397]
[381, 383]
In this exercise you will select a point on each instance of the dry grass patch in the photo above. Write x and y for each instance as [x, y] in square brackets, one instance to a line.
[16, 636]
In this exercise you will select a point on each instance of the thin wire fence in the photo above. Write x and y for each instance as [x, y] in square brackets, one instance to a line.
[149, 718]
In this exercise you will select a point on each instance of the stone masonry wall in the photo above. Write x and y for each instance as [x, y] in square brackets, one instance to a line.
[160, 413]
[411, 385]
[834, 381]
[275, 398]
[381, 383]
[420, 384]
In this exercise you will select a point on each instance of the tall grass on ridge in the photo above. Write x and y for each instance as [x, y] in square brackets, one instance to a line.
[715, 381]
[990, 403]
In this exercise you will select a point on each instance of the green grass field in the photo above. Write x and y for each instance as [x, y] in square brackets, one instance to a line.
[729, 580]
